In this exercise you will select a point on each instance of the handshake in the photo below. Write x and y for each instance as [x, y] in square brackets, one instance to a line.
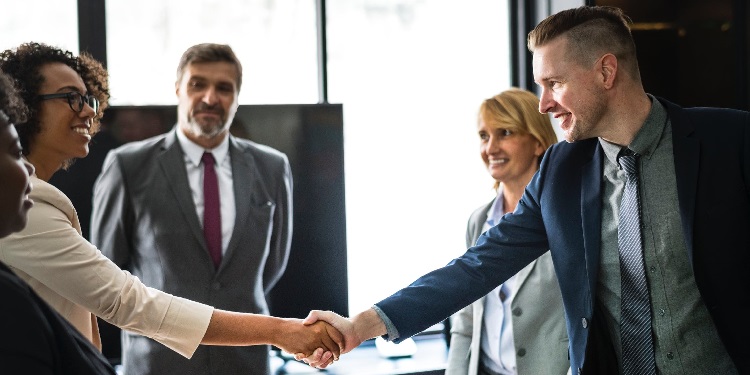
[323, 336]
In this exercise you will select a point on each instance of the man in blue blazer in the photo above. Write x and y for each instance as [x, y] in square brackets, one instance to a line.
[695, 216]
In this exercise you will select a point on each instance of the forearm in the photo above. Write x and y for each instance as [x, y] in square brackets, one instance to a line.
[228, 328]
[240, 329]
[367, 325]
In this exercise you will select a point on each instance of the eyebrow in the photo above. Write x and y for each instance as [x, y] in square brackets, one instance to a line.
[68, 89]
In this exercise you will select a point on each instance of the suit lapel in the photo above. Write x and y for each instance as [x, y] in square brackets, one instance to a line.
[243, 179]
[591, 213]
[172, 163]
[686, 161]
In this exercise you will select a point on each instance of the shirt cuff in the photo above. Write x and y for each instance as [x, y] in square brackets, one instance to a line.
[391, 331]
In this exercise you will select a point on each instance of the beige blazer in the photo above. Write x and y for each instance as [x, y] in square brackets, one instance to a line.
[75, 278]
[539, 333]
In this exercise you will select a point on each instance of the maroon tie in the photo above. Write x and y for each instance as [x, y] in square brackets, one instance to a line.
[211, 209]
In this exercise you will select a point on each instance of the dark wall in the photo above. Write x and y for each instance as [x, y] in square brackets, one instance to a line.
[312, 138]
[692, 52]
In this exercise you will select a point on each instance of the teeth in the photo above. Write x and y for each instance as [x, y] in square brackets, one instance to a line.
[81, 130]
[498, 161]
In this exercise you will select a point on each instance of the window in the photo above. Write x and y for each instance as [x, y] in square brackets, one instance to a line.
[49, 22]
[274, 40]
[411, 75]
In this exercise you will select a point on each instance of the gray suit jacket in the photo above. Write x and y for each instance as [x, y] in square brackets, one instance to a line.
[538, 320]
[145, 220]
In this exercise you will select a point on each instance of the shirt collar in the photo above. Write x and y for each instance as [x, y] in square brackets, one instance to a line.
[495, 213]
[194, 152]
[648, 136]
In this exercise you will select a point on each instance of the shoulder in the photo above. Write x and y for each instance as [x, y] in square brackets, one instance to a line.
[707, 120]
[480, 214]
[249, 146]
[259, 153]
[48, 199]
[18, 300]
[133, 149]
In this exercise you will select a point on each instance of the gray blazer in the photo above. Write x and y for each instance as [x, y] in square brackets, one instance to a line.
[145, 220]
[538, 320]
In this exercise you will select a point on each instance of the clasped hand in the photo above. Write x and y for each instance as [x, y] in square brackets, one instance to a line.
[320, 358]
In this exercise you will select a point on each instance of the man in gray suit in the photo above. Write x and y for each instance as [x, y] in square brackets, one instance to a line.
[199, 214]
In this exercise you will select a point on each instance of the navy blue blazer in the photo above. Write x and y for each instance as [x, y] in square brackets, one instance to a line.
[561, 211]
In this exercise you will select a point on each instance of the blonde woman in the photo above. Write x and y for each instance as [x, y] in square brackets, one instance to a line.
[500, 333]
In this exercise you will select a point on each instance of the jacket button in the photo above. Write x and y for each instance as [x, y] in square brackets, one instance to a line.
[517, 311]
[521, 352]
[584, 323]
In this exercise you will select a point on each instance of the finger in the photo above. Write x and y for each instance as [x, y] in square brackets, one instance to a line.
[327, 356]
[315, 357]
[324, 364]
[335, 335]
[299, 357]
[331, 345]
[320, 358]
[311, 318]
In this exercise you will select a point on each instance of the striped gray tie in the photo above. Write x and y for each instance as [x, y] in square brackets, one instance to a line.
[635, 323]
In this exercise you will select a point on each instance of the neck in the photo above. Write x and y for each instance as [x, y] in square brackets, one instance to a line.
[512, 193]
[629, 112]
[44, 168]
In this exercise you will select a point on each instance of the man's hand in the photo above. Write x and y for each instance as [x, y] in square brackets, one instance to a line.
[363, 326]
[316, 339]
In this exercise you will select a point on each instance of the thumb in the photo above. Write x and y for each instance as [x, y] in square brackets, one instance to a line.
[312, 317]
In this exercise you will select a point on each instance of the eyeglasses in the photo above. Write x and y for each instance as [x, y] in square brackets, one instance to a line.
[75, 100]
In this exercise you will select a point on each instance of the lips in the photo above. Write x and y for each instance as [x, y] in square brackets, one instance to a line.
[498, 161]
[28, 202]
[82, 130]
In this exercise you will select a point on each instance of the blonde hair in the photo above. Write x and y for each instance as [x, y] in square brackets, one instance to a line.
[518, 110]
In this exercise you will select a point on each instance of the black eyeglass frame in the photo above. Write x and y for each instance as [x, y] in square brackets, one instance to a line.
[75, 97]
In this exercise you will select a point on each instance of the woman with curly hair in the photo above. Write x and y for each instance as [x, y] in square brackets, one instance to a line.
[65, 96]
[36, 339]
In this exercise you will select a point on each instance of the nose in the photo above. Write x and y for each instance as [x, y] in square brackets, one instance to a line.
[29, 167]
[210, 97]
[545, 101]
[88, 111]
[493, 144]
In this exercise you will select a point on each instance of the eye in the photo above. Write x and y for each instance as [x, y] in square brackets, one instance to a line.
[198, 85]
[226, 88]
[17, 150]
[506, 132]
[483, 136]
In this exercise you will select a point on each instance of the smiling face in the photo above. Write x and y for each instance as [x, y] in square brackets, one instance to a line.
[15, 187]
[64, 133]
[510, 157]
[569, 91]
[207, 101]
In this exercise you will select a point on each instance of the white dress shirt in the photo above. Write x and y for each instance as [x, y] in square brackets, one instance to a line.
[192, 154]
[498, 350]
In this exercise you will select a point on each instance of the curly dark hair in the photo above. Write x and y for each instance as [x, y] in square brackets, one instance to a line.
[23, 64]
[11, 104]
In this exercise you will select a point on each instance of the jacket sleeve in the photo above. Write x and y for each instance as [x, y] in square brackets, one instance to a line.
[111, 212]
[499, 253]
[54, 256]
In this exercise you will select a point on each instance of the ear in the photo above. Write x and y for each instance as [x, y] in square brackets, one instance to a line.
[608, 70]
[177, 89]
[539, 149]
